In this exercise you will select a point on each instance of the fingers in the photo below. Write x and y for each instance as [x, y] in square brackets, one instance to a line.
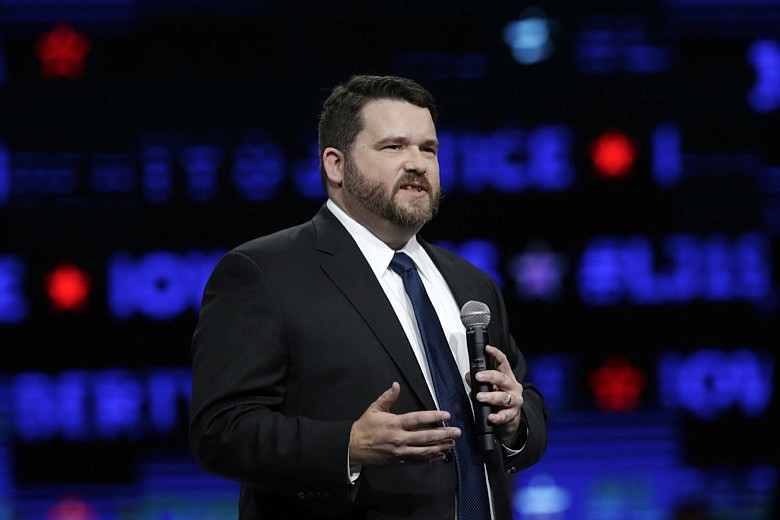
[385, 401]
[379, 437]
[502, 363]
[507, 396]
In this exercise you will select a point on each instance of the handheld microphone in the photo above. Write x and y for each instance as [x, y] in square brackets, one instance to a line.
[476, 317]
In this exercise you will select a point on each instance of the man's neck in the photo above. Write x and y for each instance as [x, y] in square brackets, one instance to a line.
[393, 235]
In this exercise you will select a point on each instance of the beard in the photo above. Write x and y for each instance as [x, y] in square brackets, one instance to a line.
[374, 197]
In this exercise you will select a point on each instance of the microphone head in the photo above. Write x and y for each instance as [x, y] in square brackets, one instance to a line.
[475, 314]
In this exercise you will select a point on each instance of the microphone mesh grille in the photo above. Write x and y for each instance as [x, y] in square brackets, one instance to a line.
[475, 314]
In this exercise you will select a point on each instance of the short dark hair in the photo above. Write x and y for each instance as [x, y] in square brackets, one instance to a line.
[340, 119]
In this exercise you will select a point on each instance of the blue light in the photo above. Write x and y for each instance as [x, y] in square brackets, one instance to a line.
[713, 268]
[118, 400]
[258, 168]
[37, 173]
[753, 257]
[600, 274]
[69, 394]
[542, 497]
[157, 176]
[608, 44]
[5, 174]
[13, 305]
[35, 413]
[80, 10]
[764, 55]
[606, 467]
[201, 164]
[482, 253]
[306, 174]
[113, 173]
[710, 382]
[512, 160]
[549, 157]
[447, 161]
[538, 272]
[530, 37]
[2, 64]
[667, 155]
[160, 285]
[109, 404]
[495, 161]
[552, 373]
[165, 389]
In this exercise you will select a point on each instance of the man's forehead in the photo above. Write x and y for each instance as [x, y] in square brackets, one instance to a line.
[392, 117]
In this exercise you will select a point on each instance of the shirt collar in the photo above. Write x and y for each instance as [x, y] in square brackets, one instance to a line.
[377, 253]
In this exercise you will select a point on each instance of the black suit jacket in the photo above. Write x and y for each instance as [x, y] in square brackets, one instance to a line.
[295, 339]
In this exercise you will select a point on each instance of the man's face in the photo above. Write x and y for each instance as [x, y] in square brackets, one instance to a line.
[393, 170]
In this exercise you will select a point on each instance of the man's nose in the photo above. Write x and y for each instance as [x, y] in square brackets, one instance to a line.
[415, 162]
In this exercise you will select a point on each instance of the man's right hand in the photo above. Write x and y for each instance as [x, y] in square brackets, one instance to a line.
[383, 438]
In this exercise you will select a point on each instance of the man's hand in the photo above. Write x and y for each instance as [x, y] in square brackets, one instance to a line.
[383, 438]
[506, 397]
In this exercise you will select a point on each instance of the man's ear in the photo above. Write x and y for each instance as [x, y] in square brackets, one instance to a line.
[333, 162]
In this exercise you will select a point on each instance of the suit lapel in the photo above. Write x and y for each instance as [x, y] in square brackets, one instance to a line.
[345, 265]
[462, 287]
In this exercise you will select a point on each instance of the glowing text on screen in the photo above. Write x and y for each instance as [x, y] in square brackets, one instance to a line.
[710, 382]
[258, 169]
[201, 164]
[109, 404]
[482, 253]
[609, 44]
[508, 160]
[167, 168]
[5, 175]
[160, 285]
[764, 55]
[13, 303]
[671, 163]
[687, 268]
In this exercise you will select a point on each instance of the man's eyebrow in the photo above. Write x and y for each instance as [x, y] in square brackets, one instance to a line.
[398, 139]
[391, 139]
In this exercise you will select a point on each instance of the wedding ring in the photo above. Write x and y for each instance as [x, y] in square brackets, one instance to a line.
[508, 399]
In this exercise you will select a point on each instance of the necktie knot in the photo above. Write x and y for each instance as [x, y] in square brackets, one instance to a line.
[401, 263]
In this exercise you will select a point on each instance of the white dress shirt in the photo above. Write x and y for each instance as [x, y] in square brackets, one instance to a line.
[378, 255]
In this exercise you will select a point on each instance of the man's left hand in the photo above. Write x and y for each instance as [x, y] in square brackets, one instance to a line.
[506, 397]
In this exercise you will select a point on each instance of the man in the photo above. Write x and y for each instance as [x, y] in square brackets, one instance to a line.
[314, 384]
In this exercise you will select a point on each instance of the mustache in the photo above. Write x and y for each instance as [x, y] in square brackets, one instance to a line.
[414, 179]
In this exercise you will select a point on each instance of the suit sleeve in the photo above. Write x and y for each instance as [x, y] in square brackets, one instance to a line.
[534, 409]
[237, 427]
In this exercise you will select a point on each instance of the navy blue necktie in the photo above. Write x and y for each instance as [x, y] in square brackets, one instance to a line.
[473, 503]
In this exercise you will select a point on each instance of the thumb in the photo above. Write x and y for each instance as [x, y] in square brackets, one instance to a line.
[388, 398]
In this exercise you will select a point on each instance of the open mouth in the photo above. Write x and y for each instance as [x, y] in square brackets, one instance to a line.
[411, 186]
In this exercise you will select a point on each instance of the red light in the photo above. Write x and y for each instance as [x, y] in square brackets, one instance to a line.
[62, 52]
[613, 154]
[71, 508]
[617, 385]
[68, 288]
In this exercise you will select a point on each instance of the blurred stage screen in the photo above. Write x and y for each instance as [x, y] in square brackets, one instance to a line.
[614, 165]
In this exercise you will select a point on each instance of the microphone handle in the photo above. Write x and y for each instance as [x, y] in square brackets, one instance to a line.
[477, 338]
